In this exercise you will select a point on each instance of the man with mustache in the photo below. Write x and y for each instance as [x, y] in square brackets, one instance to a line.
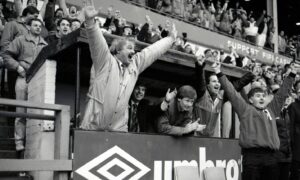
[116, 72]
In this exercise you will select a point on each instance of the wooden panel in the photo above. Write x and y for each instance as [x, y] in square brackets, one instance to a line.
[34, 105]
[35, 165]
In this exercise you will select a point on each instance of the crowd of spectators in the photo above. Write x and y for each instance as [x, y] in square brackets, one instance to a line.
[227, 18]
[57, 23]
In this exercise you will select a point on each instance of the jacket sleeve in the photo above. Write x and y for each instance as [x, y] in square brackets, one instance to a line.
[7, 35]
[149, 54]
[278, 101]
[11, 54]
[237, 101]
[200, 84]
[243, 81]
[100, 53]
[164, 127]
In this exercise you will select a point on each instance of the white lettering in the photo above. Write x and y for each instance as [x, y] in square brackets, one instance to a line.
[232, 170]
[157, 170]
[168, 170]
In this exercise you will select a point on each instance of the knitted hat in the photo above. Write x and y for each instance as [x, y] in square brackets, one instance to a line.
[186, 91]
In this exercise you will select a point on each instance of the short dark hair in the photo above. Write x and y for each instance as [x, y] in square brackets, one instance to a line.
[254, 91]
[34, 19]
[60, 20]
[75, 20]
[30, 10]
[186, 91]
[58, 9]
[208, 75]
[206, 51]
[36, 2]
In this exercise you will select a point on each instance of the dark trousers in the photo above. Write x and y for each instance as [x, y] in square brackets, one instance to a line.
[295, 170]
[284, 170]
[259, 164]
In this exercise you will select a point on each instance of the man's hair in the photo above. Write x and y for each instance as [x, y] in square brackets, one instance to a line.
[255, 90]
[206, 51]
[75, 20]
[58, 9]
[118, 45]
[208, 75]
[30, 10]
[34, 19]
[60, 20]
[186, 91]
[36, 2]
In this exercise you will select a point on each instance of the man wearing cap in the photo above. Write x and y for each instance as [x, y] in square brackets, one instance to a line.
[179, 119]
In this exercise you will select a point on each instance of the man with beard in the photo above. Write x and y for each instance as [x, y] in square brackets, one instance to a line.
[116, 72]
[19, 56]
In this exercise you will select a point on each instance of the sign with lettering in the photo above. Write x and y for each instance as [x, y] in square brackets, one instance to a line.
[118, 156]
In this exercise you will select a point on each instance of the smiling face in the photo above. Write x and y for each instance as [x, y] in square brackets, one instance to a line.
[185, 104]
[214, 85]
[36, 27]
[139, 93]
[126, 53]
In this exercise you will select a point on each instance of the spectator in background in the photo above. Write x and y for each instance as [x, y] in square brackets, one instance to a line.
[263, 29]
[19, 56]
[281, 42]
[75, 24]
[251, 28]
[34, 3]
[63, 29]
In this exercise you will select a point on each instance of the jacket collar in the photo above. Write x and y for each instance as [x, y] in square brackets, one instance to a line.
[29, 38]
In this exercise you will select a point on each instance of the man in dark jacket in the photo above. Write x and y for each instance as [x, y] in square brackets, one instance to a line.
[259, 137]
[294, 113]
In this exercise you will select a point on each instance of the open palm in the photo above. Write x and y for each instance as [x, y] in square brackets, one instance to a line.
[89, 9]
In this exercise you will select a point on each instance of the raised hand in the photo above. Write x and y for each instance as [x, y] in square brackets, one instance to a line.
[173, 32]
[89, 10]
[216, 67]
[170, 95]
[200, 60]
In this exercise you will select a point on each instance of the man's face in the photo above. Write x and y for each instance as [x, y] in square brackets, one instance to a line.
[59, 14]
[73, 10]
[126, 53]
[139, 93]
[127, 32]
[75, 25]
[258, 100]
[64, 27]
[185, 104]
[36, 28]
[31, 3]
[208, 54]
[214, 85]
[31, 16]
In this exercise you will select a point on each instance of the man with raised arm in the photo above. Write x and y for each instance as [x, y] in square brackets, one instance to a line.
[258, 131]
[116, 72]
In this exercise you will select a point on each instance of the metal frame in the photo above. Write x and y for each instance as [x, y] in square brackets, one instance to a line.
[61, 165]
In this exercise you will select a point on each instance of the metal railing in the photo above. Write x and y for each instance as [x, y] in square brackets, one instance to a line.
[61, 164]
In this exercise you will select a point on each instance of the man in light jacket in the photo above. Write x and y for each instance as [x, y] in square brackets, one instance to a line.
[115, 74]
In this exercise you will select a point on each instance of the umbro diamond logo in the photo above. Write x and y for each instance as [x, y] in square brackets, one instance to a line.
[101, 167]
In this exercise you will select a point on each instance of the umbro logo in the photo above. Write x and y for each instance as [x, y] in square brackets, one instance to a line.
[113, 164]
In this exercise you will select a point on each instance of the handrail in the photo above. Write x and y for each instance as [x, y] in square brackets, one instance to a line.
[61, 163]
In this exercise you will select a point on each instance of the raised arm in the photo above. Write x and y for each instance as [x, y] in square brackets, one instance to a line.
[43, 9]
[200, 84]
[279, 97]
[148, 55]
[100, 53]
[237, 101]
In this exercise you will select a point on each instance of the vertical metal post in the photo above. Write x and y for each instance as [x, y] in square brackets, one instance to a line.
[77, 90]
